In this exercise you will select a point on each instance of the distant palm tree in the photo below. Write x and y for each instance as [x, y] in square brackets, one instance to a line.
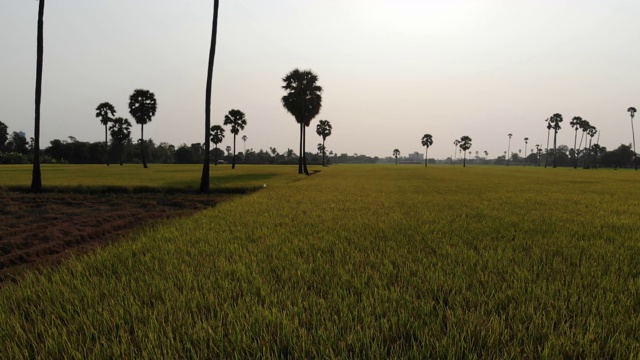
[204, 179]
[456, 142]
[556, 119]
[526, 141]
[304, 101]
[244, 148]
[36, 176]
[465, 144]
[546, 155]
[427, 141]
[591, 132]
[105, 112]
[538, 153]
[323, 129]
[575, 124]
[238, 121]
[143, 107]
[509, 149]
[584, 126]
[396, 153]
[486, 154]
[632, 112]
[274, 153]
[216, 134]
[120, 130]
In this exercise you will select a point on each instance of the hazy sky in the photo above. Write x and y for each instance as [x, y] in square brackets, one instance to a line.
[392, 70]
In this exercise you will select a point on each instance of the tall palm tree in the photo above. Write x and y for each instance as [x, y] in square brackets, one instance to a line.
[591, 132]
[509, 149]
[584, 126]
[632, 112]
[142, 107]
[427, 141]
[105, 112]
[456, 142]
[204, 179]
[465, 144]
[238, 121]
[323, 129]
[526, 141]
[303, 100]
[575, 123]
[36, 176]
[120, 130]
[396, 153]
[546, 155]
[556, 119]
[217, 135]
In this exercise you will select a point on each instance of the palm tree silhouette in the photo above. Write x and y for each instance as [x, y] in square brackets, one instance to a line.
[584, 126]
[575, 123]
[120, 130]
[216, 134]
[396, 153]
[538, 153]
[546, 155]
[592, 131]
[456, 142]
[142, 107]
[465, 144]
[323, 129]
[509, 149]
[238, 121]
[204, 179]
[36, 176]
[632, 112]
[304, 101]
[105, 112]
[556, 119]
[427, 141]
[244, 145]
[526, 141]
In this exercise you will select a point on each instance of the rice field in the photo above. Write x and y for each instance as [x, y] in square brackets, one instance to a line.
[355, 261]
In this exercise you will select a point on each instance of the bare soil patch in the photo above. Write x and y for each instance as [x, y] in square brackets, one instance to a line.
[42, 229]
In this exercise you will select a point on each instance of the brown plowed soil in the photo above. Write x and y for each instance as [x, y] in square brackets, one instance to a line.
[42, 229]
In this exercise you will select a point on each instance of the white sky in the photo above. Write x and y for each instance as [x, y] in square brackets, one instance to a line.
[392, 70]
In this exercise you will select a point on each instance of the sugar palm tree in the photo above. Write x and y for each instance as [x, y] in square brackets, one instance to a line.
[36, 176]
[427, 141]
[323, 129]
[303, 100]
[120, 130]
[105, 112]
[204, 179]
[526, 141]
[556, 119]
[238, 121]
[632, 112]
[396, 153]
[584, 126]
[575, 123]
[456, 142]
[142, 107]
[465, 144]
[509, 149]
[538, 153]
[216, 134]
[592, 131]
[546, 156]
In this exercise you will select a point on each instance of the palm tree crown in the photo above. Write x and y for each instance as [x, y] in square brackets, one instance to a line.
[217, 134]
[142, 106]
[324, 129]
[236, 119]
[427, 140]
[105, 112]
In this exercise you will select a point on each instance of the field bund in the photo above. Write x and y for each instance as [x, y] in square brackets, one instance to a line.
[355, 261]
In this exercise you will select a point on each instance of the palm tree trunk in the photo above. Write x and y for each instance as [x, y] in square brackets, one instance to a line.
[36, 176]
[426, 152]
[635, 156]
[204, 180]
[546, 155]
[323, 151]
[215, 158]
[106, 146]
[464, 160]
[233, 159]
[304, 150]
[144, 161]
[508, 152]
[575, 153]
[300, 157]
[555, 153]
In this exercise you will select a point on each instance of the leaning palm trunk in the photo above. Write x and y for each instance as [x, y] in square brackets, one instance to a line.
[36, 177]
[635, 155]
[546, 155]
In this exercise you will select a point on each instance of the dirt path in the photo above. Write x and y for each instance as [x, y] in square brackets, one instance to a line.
[43, 229]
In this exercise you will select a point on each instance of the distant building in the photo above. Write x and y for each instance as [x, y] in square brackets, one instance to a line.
[416, 156]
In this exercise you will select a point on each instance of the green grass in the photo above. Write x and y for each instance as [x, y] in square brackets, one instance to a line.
[361, 262]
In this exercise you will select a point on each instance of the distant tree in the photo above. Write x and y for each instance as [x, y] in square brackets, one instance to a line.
[244, 144]
[4, 136]
[120, 130]
[396, 153]
[204, 179]
[538, 153]
[623, 156]
[274, 153]
[142, 107]
[323, 129]
[465, 144]
[486, 154]
[556, 119]
[509, 149]
[290, 154]
[427, 141]
[303, 100]
[18, 143]
[575, 123]
[632, 112]
[216, 135]
[526, 141]
[592, 131]
[36, 176]
[228, 148]
[105, 112]
[456, 142]
[238, 121]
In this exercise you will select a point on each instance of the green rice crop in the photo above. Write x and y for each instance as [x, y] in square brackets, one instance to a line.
[358, 262]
